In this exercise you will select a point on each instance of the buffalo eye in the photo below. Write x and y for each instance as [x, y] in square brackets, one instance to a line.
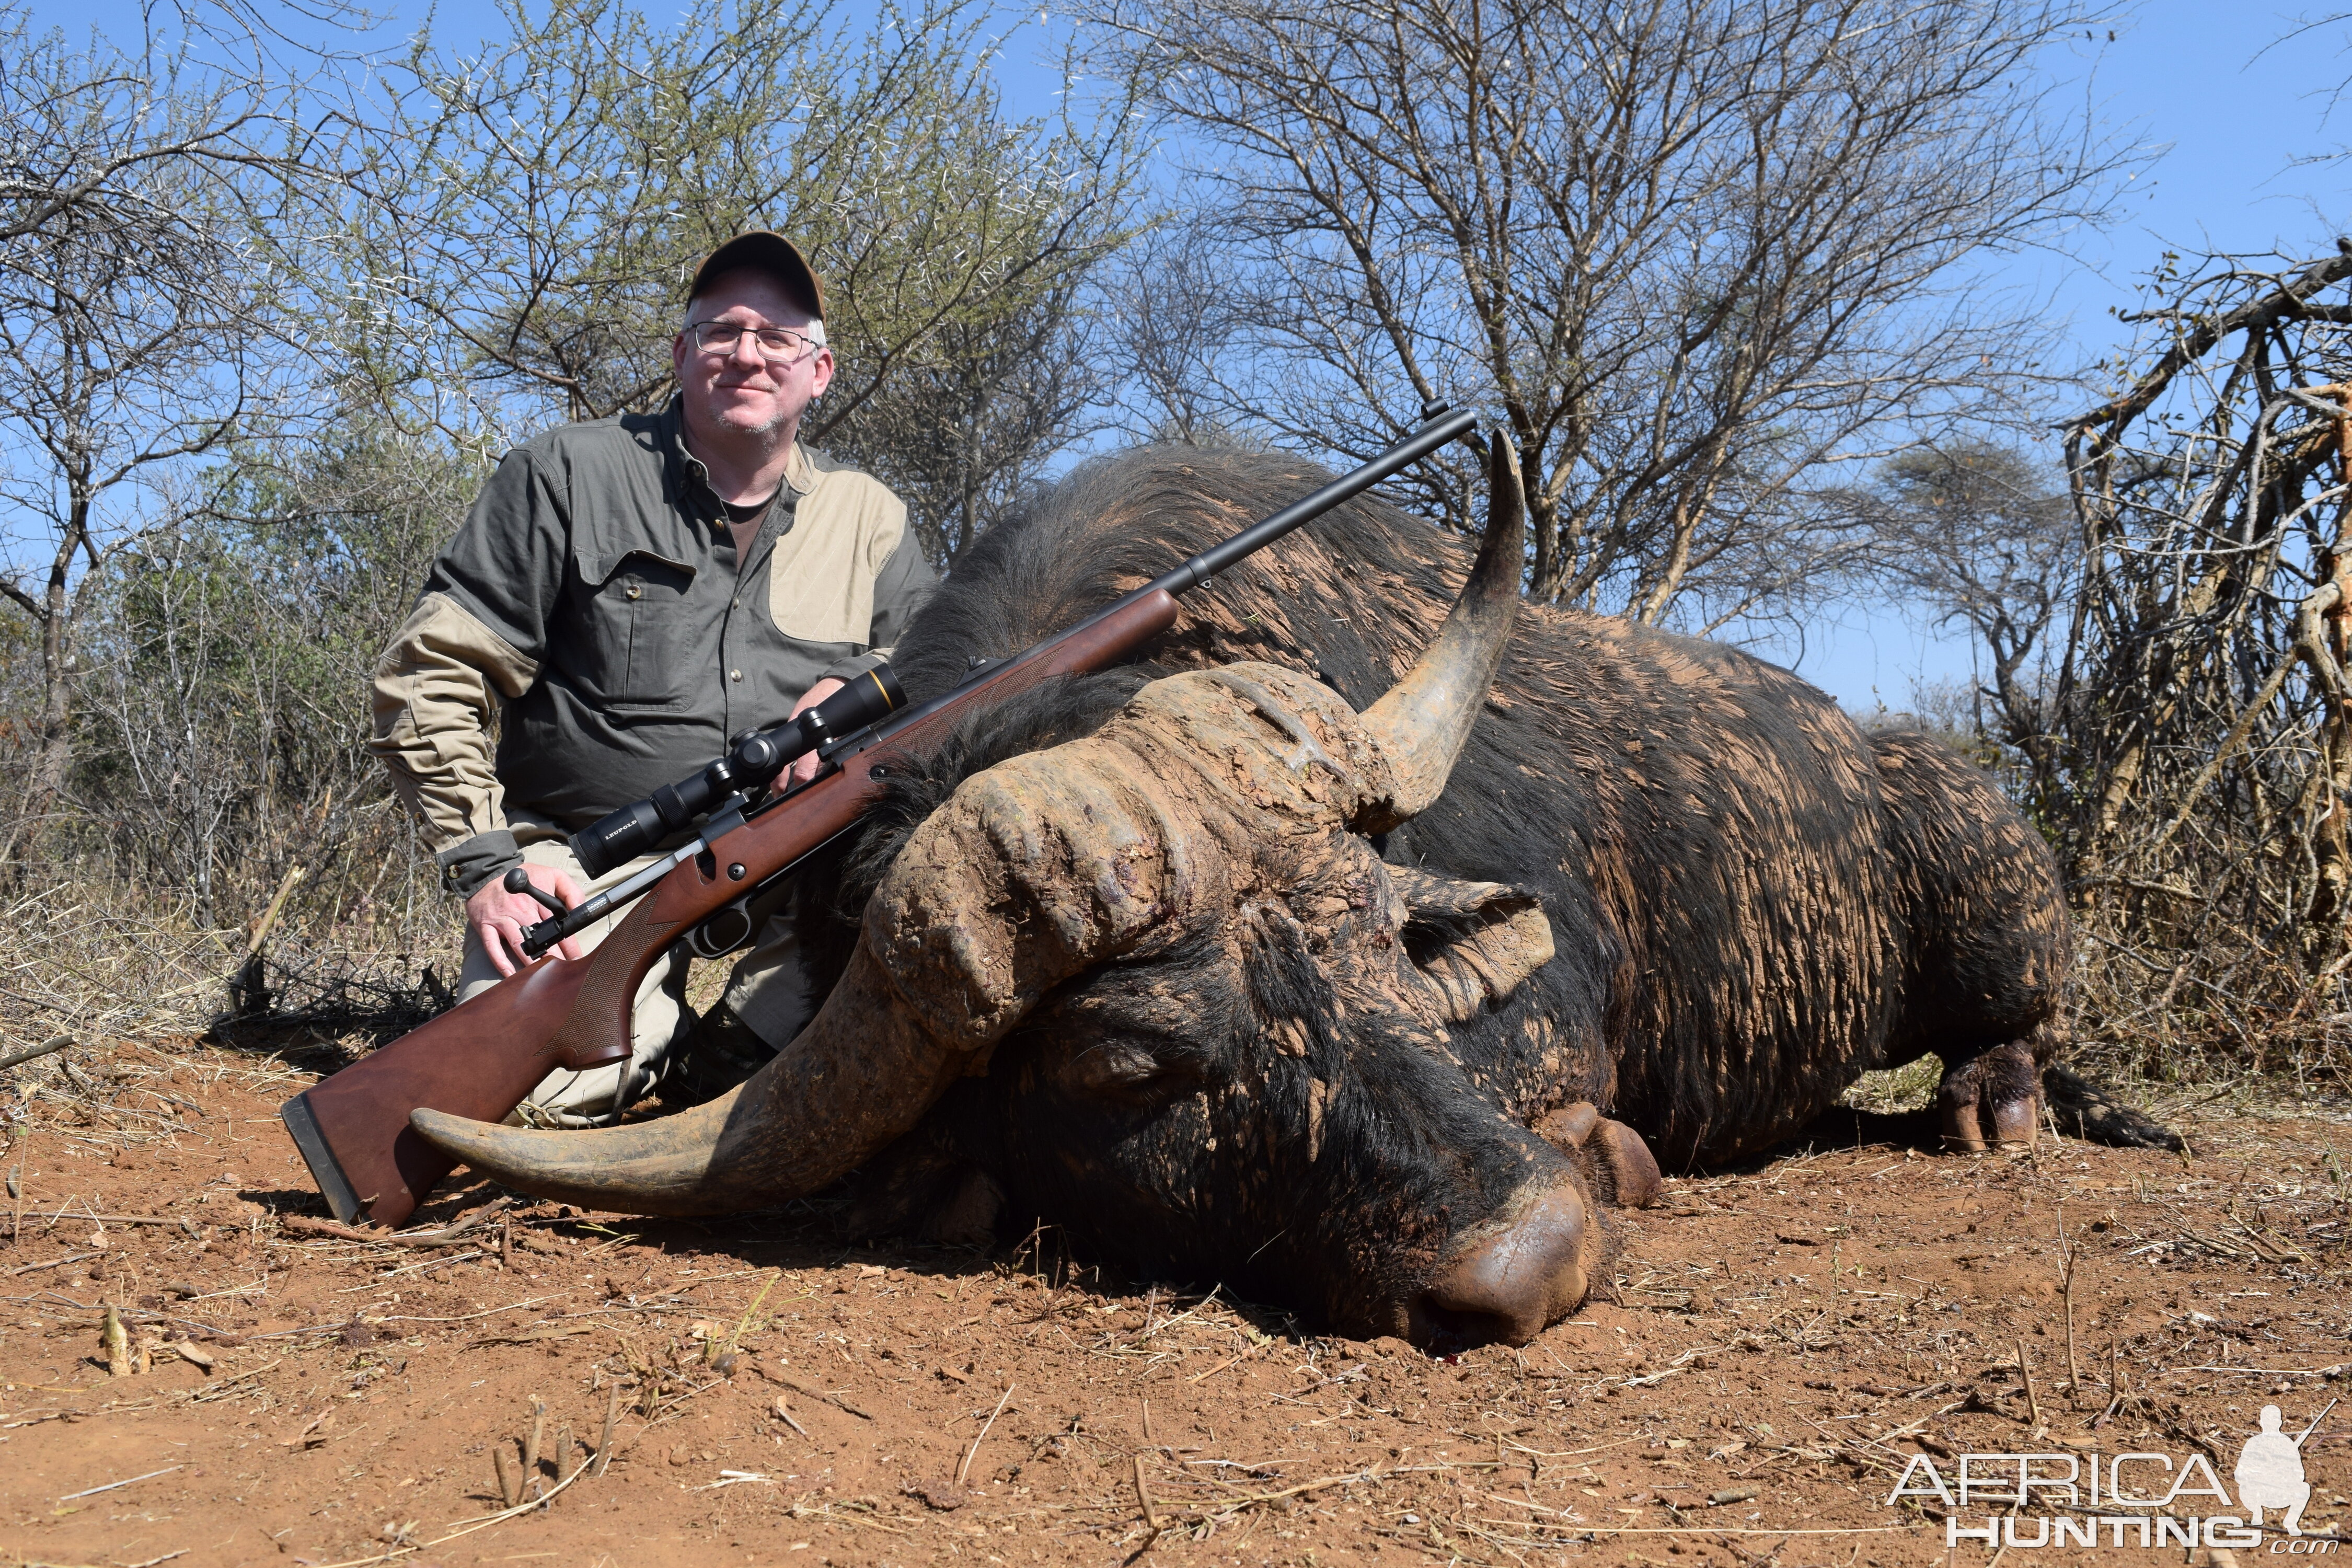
[1128, 1070]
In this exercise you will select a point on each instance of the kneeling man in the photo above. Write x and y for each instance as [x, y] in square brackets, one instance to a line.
[626, 595]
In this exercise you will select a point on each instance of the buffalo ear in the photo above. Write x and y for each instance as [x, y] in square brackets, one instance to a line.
[1473, 941]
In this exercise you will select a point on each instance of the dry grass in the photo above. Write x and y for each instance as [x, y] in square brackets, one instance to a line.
[99, 961]
[1898, 1090]
[2226, 1007]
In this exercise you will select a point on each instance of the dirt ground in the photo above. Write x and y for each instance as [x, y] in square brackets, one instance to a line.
[1785, 1339]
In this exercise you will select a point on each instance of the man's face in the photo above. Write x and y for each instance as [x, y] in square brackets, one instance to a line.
[742, 393]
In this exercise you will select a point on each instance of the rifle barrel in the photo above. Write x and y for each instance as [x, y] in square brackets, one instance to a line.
[1425, 440]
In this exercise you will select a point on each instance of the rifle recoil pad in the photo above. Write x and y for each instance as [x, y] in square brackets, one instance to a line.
[751, 764]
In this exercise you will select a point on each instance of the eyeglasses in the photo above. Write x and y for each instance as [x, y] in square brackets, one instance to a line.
[778, 345]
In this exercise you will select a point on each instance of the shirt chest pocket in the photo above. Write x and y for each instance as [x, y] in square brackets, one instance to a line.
[637, 639]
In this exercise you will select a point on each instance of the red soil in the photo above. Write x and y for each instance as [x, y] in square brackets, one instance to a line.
[1785, 1337]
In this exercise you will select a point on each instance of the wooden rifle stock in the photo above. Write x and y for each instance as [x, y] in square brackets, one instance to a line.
[480, 1058]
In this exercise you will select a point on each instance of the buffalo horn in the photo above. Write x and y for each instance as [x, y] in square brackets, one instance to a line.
[1423, 722]
[1027, 877]
[861, 1073]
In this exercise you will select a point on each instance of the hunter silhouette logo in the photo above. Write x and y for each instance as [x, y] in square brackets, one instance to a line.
[2270, 1472]
[2123, 1499]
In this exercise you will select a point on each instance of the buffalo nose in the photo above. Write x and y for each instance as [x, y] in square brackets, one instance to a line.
[1511, 1280]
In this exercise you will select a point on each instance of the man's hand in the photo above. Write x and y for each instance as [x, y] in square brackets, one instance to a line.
[804, 768]
[503, 917]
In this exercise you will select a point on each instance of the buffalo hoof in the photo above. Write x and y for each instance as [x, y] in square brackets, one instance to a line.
[1993, 1098]
[1633, 1173]
[1618, 1163]
[1567, 1128]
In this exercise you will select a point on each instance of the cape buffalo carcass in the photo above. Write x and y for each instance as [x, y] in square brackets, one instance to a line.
[1322, 957]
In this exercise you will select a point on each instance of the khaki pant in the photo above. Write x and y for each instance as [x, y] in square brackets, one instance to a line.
[768, 991]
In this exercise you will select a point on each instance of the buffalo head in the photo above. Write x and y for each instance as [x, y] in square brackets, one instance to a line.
[1215, 1022]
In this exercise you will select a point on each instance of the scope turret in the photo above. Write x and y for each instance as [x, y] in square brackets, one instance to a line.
[752, 763]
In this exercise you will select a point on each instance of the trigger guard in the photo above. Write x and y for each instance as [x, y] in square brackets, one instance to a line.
[726, 929]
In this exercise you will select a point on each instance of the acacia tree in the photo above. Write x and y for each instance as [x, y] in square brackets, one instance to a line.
[1691, 253]
[134, 314]
[530, 214]
[1984, 538]
[224, 659]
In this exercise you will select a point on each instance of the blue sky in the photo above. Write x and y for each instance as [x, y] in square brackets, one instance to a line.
[2223, 111]
[2226, 111]
[2224, 107]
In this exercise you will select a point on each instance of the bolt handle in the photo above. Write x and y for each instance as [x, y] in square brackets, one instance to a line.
[518, 881]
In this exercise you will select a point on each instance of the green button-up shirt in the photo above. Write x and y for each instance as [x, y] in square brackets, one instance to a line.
[597, 590]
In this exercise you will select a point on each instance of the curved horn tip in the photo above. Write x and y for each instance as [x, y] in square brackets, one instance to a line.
[861, 1073]
[454, 1135]
[516, 1156]
[656, 1168]
[1423, 722]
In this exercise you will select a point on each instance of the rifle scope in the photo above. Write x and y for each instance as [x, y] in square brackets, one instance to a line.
[751, 764]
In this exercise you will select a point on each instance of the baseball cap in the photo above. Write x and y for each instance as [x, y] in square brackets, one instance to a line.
[769, 253]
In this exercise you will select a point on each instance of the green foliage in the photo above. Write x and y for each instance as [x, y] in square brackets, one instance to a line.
[222, 722]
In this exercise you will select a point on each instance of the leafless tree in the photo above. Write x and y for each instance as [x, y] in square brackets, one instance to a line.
[1177, 318]
[966, 424]
[1693, 255]
[133, 319]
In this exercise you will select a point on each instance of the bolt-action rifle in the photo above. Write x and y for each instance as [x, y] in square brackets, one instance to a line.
[480, 1058]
